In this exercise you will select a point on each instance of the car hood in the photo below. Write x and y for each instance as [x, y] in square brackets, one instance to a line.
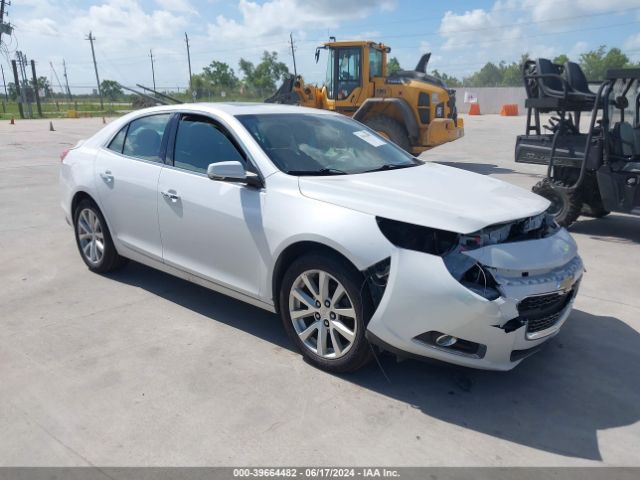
[430, 195]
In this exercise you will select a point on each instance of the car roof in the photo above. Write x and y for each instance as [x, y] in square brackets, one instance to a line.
[238, 108]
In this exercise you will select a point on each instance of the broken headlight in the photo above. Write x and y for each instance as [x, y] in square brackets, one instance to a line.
[418, 238]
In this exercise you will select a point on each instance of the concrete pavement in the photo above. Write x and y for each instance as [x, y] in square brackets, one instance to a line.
[140, 368]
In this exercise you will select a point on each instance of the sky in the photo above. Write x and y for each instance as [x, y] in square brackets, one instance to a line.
[462, 35]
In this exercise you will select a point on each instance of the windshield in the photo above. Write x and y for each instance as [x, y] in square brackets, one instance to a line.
[308, 144]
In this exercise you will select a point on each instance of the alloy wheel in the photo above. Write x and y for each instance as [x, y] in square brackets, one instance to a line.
[90, 236]
[322, 314]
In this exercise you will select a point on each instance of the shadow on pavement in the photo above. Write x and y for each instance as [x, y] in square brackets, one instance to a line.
[585, 380]
[218, 307]
[614, 228]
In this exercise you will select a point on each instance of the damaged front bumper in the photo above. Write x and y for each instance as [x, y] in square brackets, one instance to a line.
[536, 280]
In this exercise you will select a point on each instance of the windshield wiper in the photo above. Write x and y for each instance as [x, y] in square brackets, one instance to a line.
[322, 171]
[389, 167]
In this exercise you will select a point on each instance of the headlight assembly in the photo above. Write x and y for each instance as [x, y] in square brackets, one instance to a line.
[418, 238]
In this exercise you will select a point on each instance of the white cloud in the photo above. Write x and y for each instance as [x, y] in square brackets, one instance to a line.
[475, 28]
[281, 16]
[120, 23]
[632, 47]
[579, 48]
[545, 10]
[179, 6]
[42, 26]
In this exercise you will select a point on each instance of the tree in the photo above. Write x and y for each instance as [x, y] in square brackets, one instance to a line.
[596, 62]
[12, 91]
[489, 76]
[561, 59]
[201, 86]
[393, 66]
[111, 89]
[263, 77]
[44, 86]
[449, 81]
[219, 74]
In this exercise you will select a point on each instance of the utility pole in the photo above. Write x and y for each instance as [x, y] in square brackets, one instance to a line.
[4, 82]
[153, 71]
[4, 27]
[22, 59]
[35, 87]
[18, 89]
[91, 38]
[66, 79]
[293, 54]
[186, 39]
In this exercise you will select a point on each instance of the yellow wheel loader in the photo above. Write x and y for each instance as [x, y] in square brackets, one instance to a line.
[415, 110]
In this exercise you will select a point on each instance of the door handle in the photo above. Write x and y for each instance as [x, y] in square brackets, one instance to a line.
[171, 195]
[107, 176]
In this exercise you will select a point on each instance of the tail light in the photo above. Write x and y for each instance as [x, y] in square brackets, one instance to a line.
[63, 155]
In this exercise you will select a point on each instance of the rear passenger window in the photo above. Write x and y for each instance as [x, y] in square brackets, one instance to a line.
[118, 141]
[199, 142]
[144, 137]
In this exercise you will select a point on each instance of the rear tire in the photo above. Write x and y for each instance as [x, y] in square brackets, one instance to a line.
[565, 205]
[94, 239]
[326, 321]
[390, 128]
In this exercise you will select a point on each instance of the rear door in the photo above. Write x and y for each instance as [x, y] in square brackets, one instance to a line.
[127, 173]
[210, 228]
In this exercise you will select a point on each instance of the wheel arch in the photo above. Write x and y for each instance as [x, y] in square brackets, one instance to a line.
[78, 197]
[397, 108]
[294, 251]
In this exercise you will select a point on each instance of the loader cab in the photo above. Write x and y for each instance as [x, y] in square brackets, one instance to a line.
[351, 69]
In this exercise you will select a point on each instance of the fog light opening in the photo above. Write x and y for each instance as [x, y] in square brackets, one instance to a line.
[446, 341]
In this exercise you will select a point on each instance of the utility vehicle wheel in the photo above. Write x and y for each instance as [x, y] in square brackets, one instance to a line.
[565, 205]
[595, 210]
[94, 240]
[325, 312]
[391, 129]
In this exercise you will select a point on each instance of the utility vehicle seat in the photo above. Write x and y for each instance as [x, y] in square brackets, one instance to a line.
[578, 81]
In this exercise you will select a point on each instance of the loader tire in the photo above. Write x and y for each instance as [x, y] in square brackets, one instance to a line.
[565, 205]
[391, 129]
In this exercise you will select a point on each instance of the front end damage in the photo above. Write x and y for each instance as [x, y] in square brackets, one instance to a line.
[485, 300]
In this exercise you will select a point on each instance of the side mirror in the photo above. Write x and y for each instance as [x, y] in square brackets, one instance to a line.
[232, 172]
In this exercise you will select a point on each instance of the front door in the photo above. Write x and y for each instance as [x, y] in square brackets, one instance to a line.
[126, 175]
[210, 228]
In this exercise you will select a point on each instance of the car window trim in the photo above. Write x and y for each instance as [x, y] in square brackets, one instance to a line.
[249, 163]
[113, 137]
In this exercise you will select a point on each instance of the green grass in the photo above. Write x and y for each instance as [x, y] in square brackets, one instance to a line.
[90, 107]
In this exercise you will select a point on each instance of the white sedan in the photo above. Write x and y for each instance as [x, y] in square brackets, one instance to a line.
[356, 244]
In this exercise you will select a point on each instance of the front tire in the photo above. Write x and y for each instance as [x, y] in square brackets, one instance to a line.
[325, 312]
[391, 129]
[94, 239]
[565, 205]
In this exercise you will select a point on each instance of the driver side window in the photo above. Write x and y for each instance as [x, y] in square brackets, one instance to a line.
[200, 142]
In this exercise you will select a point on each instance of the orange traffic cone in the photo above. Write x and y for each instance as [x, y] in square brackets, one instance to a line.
[474, 109]
[51, 129]
[13, 121]
[509, 110]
